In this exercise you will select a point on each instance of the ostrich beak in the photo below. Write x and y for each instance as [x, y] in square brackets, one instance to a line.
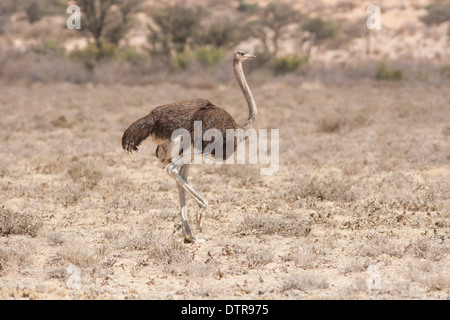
[250, 56]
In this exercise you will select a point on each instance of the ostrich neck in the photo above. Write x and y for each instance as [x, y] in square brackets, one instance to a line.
[252, 110]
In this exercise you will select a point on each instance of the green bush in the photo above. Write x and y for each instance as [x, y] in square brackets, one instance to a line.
[438, 13]
[288, 64]
[422, 75]
[322, 29]
[90, 55]
[384, 72]
[205, 56]
[224, 32]
[134, 56]
[35, 10]
[248, 8]
[50, 47]
[445, 71]
[208, 56]
[175, 26]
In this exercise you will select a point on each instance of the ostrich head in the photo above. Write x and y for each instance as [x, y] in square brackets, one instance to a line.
[242, 55]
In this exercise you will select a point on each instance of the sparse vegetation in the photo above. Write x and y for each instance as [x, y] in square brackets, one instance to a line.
[305, 283]
[19, 223]
[204, 56]
[288, 64]
[384, 72]
[330, 204]
[438, 12]
[445, 71]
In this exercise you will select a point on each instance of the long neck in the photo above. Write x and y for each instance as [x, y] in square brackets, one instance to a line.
[252, 110]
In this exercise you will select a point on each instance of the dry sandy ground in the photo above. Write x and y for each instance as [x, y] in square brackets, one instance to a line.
[360, 207]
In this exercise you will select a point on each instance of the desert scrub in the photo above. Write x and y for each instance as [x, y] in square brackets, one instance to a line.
[90, 55]
[17, 254]
[19, 223]
[305, 255]
[79, 254]
[327, 188]
[257, 258]
[304, 282]
[165, 250]
[266, 224]
[384, 72]
[205, 56]
[289, 64]
[174, 258]
[85, 172]
[322, 29]
[445, 71]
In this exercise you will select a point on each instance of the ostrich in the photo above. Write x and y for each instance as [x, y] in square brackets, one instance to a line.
[164, 120]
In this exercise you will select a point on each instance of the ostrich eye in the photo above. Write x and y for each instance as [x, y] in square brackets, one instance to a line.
[242, 54]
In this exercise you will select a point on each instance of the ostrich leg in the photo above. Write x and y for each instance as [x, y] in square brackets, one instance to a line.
[173, 170]
[186, 229]
[178, 171]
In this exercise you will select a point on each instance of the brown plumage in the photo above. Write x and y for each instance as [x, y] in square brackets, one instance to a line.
[162, 121]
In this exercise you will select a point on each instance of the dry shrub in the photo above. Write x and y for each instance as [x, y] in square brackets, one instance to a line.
[166, 250]
[428, 249]
[163, 249]
[432, 275]
[174, 257]
[269, 225]
[257, 258]
[16, 255]
[140, 240]
[79, 254]
[86, 173]
[305, 254]
[341, 123]
[355, 265]
[253, 256]
[374, 246]
[305, 282]
[326, 188]
[12, 222]
[70, 194]
[55, 238]
[239, 175]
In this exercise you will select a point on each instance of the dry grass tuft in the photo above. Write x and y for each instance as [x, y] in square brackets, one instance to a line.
[326, 188]
[19, 223]
[86, 173]
[274, 224]
[79, 254]
[305, 282]
[16, 255]
[305, 254]
[174, 257]
[257, 258]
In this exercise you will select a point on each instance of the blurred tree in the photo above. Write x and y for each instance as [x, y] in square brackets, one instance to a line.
[248, 8]
[320, 30]
[438, 13]
[223, 32]
[7, 7]
[120, 20]
[108, 20]
[174, 27]
[272, 25]
[35, 10]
